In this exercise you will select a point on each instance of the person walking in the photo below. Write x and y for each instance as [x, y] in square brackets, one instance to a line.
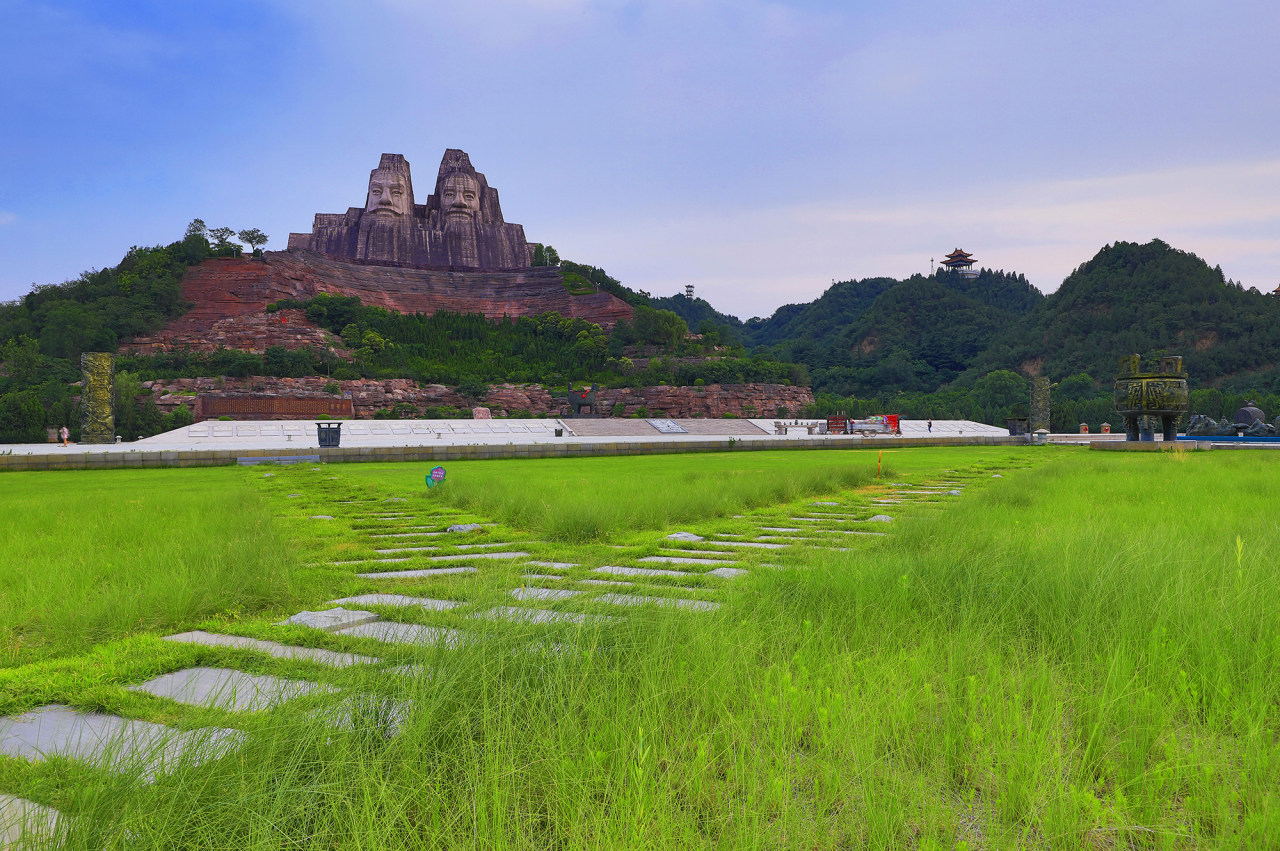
[930, 422]
[64, 433]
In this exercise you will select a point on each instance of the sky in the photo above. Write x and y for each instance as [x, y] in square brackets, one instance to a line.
[757, 150]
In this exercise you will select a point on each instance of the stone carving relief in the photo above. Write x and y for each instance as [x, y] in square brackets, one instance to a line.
[459, 227]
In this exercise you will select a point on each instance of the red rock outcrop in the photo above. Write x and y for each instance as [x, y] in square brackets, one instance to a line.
[227, 287]
[371, 395]
[250, 332]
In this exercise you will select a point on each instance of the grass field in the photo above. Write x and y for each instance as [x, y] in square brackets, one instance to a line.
[1081, 650]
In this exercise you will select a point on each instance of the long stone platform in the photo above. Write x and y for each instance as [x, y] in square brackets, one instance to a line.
[216, 443]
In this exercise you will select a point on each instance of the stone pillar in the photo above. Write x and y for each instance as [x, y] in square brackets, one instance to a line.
[1039, 404]
[97, 413]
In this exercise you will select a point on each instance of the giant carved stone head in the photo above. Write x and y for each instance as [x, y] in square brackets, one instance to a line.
[459, 197]
[390, 189]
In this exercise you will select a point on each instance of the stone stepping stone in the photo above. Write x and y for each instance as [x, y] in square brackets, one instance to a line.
[857, 532]
[398, 600]
[793, 540]
[407, 550]
[684, 536]
[781, 529]
[465, 527]
[414, 574]
[494, 544]
[680, 560]
[639, 600]
[611, 582]
[824, 503]
[226, 688]
[553, 565]
[539, 577]
[394, 632]
[727, 572]
[466, 556]
[880, 518]
[331, 620]
[639, 571]
[371, 561]
[294, 495]
[121, 743]
[544, 593]
[405, 534]
[819, 520]
[832, 514]
[321, 517]
[520, 614]
[753, 544]
[26, 824]
[699, 553]
[271, 648]
[395, 499]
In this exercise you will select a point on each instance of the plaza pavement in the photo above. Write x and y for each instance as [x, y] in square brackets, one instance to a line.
[294, 436]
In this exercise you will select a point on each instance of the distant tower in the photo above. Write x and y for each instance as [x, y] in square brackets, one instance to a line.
[688, 291]
[961, 261]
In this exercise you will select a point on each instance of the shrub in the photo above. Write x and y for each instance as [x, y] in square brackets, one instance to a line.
[22, 418]
[333, 388]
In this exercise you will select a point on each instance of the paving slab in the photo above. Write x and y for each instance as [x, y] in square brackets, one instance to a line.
[554, 566]
[541, 577]
[617, 570]
[405, 534]
[781, 529]
[753, 544]
[824, 503]
[465, 527]
[684, 536]
[520, 614]
[680, 560]
[544, 593]
[880, 518]
[692, 552]
[398, 560]
[226, 688]
[494, 544]
[397, 600]
[640, 600]
[612, 582]
[109, 740]
[25, 824]
[407, 550]
[414, 574]
[466, 556]
[321, 517]
[331, 620]
[727, 572]
[271, 648]
[394, 632]
[818, 520]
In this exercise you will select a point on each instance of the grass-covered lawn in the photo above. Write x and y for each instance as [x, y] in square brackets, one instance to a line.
[1081, 652]
[88, 556]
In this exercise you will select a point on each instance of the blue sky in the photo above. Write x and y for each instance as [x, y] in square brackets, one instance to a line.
[757, 150]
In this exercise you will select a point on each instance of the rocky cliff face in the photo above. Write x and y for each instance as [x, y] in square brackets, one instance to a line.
[370, 395]
[227, 287]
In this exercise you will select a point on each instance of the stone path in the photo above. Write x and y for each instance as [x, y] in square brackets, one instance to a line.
[150, 749]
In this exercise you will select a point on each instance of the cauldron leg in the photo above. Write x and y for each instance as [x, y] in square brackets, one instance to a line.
[1130, 428]
[1170, 428]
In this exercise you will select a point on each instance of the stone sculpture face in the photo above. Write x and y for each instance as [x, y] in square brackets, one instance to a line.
[459, 197]
[388, 194]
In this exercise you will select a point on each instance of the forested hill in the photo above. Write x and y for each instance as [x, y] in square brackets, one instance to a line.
[1149, 299]
[919, 334]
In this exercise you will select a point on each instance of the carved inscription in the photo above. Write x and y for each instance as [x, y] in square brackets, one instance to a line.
[97, 415]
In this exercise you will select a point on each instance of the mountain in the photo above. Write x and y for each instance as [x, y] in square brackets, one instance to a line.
[862, 337]
[1149, 299]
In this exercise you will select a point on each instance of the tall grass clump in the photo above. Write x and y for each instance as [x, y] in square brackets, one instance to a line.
[586, 499]
[86, 556]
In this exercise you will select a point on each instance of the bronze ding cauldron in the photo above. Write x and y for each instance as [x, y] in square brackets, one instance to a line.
[1142, 397]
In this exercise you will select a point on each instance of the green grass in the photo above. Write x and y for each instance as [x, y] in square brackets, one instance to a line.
[90, 556]
[1084, 653]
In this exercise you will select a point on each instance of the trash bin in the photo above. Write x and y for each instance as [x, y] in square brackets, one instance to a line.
[559, 432]
[330, 434]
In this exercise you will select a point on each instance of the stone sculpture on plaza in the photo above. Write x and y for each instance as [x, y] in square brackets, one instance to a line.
[460, 226]
[97, 412]
[1148, 399]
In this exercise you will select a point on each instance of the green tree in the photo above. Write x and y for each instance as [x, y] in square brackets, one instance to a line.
[253, 237]
[21, 357]
[22, 418]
